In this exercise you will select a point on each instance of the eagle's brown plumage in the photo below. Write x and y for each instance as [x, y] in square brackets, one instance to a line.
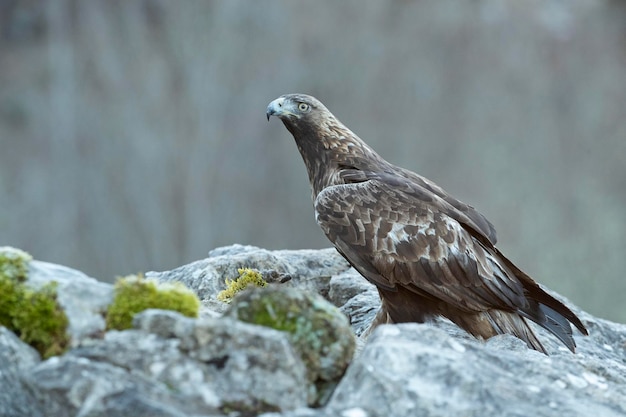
[428, 253]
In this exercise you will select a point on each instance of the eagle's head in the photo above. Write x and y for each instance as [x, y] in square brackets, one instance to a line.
[327, 146]
[299, 112]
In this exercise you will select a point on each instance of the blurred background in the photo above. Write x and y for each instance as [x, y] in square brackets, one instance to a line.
[133, 134]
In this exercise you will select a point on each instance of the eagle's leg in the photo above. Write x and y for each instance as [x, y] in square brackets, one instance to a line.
[397, 307]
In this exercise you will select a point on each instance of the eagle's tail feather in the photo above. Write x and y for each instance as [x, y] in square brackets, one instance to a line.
[404, 305]
[554, 322]
[494, 322]
[547, 311]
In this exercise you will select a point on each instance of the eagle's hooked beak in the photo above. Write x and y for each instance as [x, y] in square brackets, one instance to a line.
[275, 108]
[279, 108]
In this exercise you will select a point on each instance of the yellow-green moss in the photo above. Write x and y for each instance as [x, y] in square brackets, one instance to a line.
[134, 294]
[11, 292]
[41, 322]
[33, 314]
[247, 277]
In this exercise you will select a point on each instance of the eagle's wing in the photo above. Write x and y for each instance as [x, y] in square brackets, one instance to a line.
[398, 234]
[479, 221]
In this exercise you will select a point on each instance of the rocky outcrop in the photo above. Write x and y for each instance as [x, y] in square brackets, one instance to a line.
[412, 369]
[309, 270]
[216, 365]
[174, 366]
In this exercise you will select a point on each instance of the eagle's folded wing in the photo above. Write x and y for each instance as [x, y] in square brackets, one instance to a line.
[393, 237]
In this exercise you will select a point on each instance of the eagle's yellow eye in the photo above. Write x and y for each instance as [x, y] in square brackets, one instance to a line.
[303, 107]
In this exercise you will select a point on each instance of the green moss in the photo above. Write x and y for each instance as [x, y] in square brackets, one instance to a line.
[13, 271]
[10, 295]
[41, 322]
[33, 314]
[134, 294]
[310, 321]
[246, 278]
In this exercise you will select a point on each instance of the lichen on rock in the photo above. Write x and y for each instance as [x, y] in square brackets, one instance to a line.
[318, 330]
[134, 294]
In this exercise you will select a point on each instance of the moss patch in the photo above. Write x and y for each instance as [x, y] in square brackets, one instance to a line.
[10, 296]
[246, 278]
[33, 314]
[41, 321]
[134, 294]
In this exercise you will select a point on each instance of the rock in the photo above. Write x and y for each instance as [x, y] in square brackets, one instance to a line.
[16, 357]
[356, 297]
[174, 366]
[49, 306]
[72, 385]
[319, 332]
[418, 369]
[308, 412]
[83, 299]
[347, 285]
[302, 412]
[306, 269]
[243, 358]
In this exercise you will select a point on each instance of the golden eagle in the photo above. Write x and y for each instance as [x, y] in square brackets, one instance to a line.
[427, 253]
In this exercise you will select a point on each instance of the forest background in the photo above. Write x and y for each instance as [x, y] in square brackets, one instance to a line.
[133, 133]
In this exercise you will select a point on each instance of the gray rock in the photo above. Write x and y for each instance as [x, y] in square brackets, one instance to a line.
[171, 366]
[16, 357]
[174, 366]
[242, 359]
[307, 269]
[418, 369]
[319, 332]
[83, 299]
[73, 386]
[347, 285]
[357, 299]
[308, 412]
